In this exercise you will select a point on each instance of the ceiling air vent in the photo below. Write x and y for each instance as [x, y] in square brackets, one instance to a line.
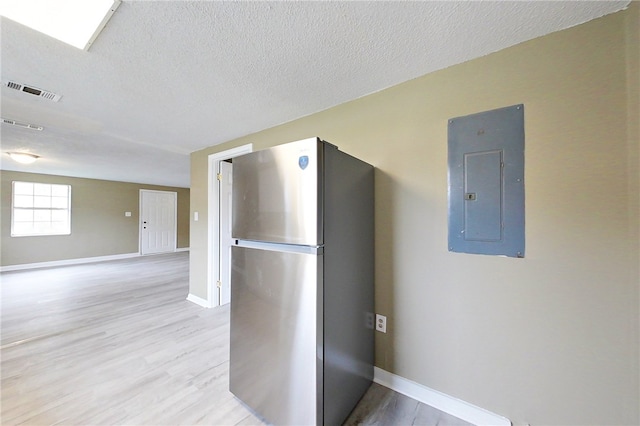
[24, 125]
[33, 91]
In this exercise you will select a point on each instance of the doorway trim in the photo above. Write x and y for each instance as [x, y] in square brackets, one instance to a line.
[213, 219]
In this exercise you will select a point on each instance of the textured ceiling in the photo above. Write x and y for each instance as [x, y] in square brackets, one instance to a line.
[166, 78]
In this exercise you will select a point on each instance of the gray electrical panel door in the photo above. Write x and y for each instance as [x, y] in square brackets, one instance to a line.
[486, 182]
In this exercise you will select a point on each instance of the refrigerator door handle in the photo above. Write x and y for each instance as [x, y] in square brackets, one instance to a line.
[289, 248]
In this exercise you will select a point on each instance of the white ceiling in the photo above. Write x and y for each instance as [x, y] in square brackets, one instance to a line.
[166, 78]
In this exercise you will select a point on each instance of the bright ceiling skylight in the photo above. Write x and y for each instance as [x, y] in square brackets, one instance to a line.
[76, 22]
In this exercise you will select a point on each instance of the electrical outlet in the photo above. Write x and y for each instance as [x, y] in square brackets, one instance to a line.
[381, 323]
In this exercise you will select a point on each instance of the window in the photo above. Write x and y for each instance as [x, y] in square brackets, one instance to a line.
[40, 209]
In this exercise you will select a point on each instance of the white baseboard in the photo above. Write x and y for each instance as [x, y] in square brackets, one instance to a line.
[182, 249]
[198, 300]
[443, 402]
[66, 262]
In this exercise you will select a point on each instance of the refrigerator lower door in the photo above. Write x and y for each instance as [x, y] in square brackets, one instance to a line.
[276, 336]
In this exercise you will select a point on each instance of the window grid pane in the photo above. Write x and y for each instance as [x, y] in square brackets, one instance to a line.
[23, 215]
[23, 228]
[60, 191]
[60, 202]
[23, 188]
[23, 201]
[41, 201]
[40, 209]
[42, 189]
[42, 215]
[59, 216]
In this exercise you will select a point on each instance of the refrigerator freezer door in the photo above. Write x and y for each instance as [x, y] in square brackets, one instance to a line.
[277, 194]
[276, 335]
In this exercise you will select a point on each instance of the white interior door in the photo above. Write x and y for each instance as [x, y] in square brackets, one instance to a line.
[226, 183]
[158, 226]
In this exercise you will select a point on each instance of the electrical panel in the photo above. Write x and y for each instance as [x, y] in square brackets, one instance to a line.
[486, 182]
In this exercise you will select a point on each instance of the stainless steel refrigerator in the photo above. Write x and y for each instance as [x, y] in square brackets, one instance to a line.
[302, 283]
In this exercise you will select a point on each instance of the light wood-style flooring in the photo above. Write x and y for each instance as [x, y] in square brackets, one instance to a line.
[116, 343]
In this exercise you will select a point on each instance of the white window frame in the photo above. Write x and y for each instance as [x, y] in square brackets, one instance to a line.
[34, 209]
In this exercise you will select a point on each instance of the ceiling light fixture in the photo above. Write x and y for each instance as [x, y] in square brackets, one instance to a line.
[23, 157]
[19, 124]
[75, 22]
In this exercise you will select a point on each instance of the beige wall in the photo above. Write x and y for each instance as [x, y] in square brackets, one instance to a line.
[98, 224]
[550, 339]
